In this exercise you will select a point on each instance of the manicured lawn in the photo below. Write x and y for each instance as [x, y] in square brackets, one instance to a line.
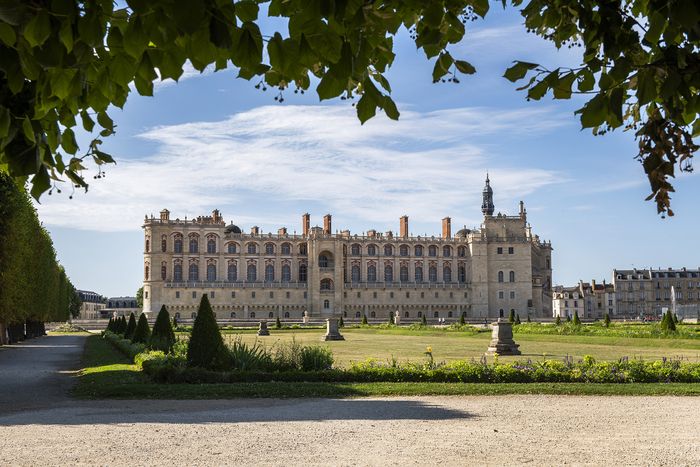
[108, 374]
[405, 344]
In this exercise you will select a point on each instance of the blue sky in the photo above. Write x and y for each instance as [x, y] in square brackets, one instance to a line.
[213, 141]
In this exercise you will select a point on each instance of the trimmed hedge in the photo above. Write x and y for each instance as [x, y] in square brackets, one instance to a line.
[125, 346]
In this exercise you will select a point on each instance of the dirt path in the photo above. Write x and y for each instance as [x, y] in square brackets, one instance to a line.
[501, 430]
[37, 373]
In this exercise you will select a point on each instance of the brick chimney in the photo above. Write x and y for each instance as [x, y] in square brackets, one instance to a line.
[403, 228]
[305, 224]
[446, 227]
[327, 224]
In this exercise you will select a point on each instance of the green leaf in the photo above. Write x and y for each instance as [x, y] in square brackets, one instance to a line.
[366, 107]
[4, 121]
[247, 10]
[465, 67]
[104, 120]
[432, 15]
[562, 90]
[65, 35]
[594, 113]
[104, 158]
[68, 141]
[61, 82]
[586, 81]
[7, 34]
[28, 130]
[189, 14]
[390, 109]
[38, 29]
[481, 7]
[442, 66]
[518, 71]
[88, 122]
[646, 86]
[538, 90]
[330, 87]
[40, 182]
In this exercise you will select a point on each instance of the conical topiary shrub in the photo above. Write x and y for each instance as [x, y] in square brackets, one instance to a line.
[110, 325]
[391, 318]
[131, 327]
[142, 333]
[511, 317]
[364, 319]
[517, 318]
[206, 347]
[461, 319]
[163, 336]
[606, 321]
[558, 320]
[341, 323]
[121, 325]
[278, 323]
[577, 321]
[424, 320]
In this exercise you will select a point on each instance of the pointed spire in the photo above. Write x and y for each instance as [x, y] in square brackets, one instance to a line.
[487, 206]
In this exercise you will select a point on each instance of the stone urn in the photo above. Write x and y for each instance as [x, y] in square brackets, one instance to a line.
[262, 329]
[332, 332]
[502, 342]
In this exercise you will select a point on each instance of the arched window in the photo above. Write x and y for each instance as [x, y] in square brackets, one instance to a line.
[323, 261]
[163, 271]
[500, 276]
[269, 248]
[231, 248]
[302, 272]
[270, 315]
[303, 249]
[194, 315]
[420, 314]
[418, 251]
[211, 246]
[403, 250]
[500, 313]
[177, 315]
[371, 250]
[355, 249]
[177, 273]
[432, 250]
[211, 272]
[357, 314]
[269, 273]
[286, 273]
[432, 273]
[462, 273]
[164, 243]
[447, 274]
[436, 315]
[232, 273]
[252, 248]
[406, 315]
[145, 272]
[326, 304]
[373, 315]
[252, 274]
[286, 249]
[233, 314]
[388, 273]
[403, 272]
[446, 251]
[178, 245]
[461, 252]
[511, 276]
[286, 314]
[419, 274]
[193, 272]
[326, 284]
[388, 250]
[371, 273]
[355, 276]
[252, 314]
[148, 245]
[194, 245]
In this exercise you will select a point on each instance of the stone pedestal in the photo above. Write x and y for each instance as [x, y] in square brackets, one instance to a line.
[332, 332]
[502, 342]
[262, 329]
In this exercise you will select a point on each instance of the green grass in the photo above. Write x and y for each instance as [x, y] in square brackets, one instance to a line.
[108, 374]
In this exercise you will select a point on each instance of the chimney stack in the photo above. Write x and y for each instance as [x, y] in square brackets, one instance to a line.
[327, 224]
[403, 229]
[446, 227]
[282, 231]
[165, 215]
[305, 224]
[255, 230]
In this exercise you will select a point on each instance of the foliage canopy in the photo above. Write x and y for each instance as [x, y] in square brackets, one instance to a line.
[65, 63]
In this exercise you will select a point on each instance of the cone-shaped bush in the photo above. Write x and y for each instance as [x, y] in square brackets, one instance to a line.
[528, 318]
[142, 333]
[341, 323]
[206, 347]
[675, 318]
[517, 319]
[558, 320]
[391, 318]
[568, 318]
[121, 325]
[511, 317]
[278, 323]
[364, 319]
[577, 321]
[174, 322]
[163, 336]
[424, 320]
[461, 319]
[671, 326]
[131, 327]
[110, 325]
[606, 321]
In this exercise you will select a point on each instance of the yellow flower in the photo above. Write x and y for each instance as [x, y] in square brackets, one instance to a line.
[429, 349]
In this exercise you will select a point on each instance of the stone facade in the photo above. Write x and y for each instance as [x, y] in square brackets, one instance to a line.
[590, 300]
[647, 292]
[92, 304]
[483, 273]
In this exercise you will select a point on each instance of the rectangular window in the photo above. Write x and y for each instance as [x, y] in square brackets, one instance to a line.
[465, 294]
[609, 302]
[499, 250]
[252, 295]
[233, 294]
[305, 293]
[511, 250]
[512, 294]
[212, 295]
[391, 294]
[451, 295]
[374, 294]
[194, 294]
[358, 294]
[408, 294]
[436, 295]
[345, 295]
[500, 294]
[272, 294]
[288, 294]
[177, 294]
[422, 295]
[145, 294]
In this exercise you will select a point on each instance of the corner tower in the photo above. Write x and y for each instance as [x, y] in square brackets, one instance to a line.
[487, 196]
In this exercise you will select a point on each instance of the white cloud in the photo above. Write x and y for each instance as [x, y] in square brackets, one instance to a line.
[259, 165]
[188, 72]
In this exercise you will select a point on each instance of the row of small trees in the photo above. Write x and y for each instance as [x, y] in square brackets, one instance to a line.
[34, 288]
[162, 337]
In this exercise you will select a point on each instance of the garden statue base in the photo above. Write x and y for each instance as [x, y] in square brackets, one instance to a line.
[502, 342]
[332, 333]
[262, 329]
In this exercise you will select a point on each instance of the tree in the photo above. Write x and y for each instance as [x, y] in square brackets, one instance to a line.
[577, 321]
[142, 333]
[206, 347]
[278, 323]
[121, 329]
[139, 298]
[558, 321]
[517, 318]
[163, 336]
[461, 319]
[511, 317]
[130, 327]
[341, 323]
[568, 318]
[423, 320]
[391, 318]
[606, 320]
[364, 319]
[69, 61]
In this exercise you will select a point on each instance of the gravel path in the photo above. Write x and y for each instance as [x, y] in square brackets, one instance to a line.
[502, 430]
[36, 373]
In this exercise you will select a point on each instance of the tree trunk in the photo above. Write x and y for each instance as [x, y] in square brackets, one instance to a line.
[3, 334]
